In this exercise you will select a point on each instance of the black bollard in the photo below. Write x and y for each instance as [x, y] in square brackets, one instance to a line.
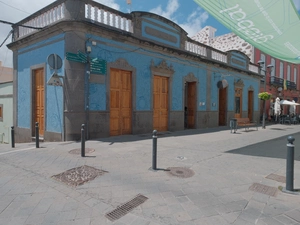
[12, 137]
[37, 138]
[82, 141]
[290, 164]
[154, 150]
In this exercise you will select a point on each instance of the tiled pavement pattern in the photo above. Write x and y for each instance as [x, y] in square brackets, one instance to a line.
[218, 193]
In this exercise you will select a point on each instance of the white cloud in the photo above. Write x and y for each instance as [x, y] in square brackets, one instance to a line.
[195, 22]
[110, 3]
[192, 24]
[171, 8]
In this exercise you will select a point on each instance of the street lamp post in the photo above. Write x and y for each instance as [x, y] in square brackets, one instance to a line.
[269, 70]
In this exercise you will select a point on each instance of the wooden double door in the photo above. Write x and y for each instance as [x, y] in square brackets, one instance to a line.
[120, 102]
[38, 103]
[160, 103]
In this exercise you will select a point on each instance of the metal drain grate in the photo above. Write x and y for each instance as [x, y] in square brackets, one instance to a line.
[264, 189]
[180, 172]
[125, 208]
[276, 177]
[79, 175]
[77, 151]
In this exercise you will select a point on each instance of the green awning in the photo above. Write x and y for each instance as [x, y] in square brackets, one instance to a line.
[273, 26]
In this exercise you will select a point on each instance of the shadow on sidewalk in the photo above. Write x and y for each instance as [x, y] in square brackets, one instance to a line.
[276, 148]
[187, 132]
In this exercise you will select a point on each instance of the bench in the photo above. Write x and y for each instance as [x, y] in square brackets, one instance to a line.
[245, 122]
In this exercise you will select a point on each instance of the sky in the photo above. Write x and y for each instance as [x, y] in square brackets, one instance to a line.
[186, 13]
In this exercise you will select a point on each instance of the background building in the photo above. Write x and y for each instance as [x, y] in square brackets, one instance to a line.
[282, 82]
[6, 103]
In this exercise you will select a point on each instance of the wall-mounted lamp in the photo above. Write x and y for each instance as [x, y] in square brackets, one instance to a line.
[88, 49]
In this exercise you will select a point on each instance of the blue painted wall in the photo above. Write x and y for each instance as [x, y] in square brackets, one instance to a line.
[231, 77]
[162, 30]
[34, 55]
[141, 60]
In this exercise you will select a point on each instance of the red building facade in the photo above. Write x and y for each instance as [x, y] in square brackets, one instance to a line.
[282, 82]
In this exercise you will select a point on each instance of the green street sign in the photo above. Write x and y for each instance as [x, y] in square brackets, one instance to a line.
[98, 67]
[70, 54]
[82, 56]
[74, 57]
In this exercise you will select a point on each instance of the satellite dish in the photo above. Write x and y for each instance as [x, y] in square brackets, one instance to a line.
[279, 89]
[222, 84]
[219, 84]
[54, 61]
[55, 80]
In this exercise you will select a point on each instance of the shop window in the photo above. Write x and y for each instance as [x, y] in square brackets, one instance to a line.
[281, 70]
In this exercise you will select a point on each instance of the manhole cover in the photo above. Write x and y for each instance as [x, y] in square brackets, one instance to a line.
[77, 151]
[180, 172]
[125, 208]
[79, 175]
[264, 189]
[276, 177]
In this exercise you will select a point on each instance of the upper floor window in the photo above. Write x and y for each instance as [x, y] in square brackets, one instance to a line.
[263, 58]
[295, 75]
[281, 70]
[1, 112]
[273, 62]
[288, 77]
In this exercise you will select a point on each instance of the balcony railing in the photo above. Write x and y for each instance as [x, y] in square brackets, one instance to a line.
[99, 14]
[59, 10]
[276, 81]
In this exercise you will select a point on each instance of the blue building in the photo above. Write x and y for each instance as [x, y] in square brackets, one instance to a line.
[120, 73]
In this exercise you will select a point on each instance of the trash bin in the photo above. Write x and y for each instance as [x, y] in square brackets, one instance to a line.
[233, 125]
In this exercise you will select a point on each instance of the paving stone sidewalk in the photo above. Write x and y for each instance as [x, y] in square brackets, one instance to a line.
[219, 190]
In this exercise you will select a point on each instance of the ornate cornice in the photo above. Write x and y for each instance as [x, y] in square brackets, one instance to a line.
[239, 83]
[250, 88]
[190, 78]
[162, 69]
[121, 63]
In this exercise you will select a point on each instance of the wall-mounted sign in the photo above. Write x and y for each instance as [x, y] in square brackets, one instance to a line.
[55, 80]
[75, 57]
[96, 66]
[54, 61]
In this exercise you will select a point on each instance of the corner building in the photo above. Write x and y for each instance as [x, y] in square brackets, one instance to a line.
[121, 74]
